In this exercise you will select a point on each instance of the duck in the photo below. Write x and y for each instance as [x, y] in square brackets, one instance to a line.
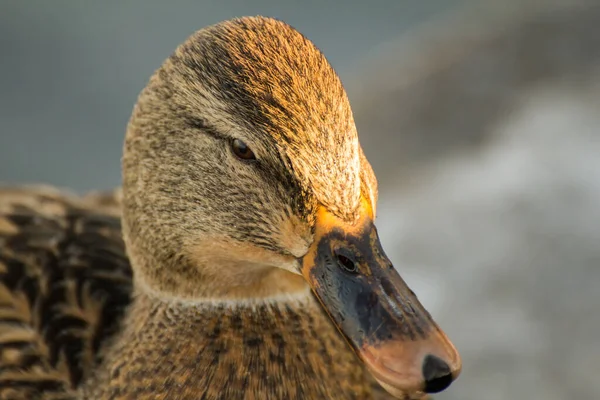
[239, 258]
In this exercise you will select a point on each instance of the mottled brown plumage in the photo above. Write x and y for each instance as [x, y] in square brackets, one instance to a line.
[65, 283]
[215, 303]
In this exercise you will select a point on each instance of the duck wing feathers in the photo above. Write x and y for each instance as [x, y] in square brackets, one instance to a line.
[65, 282]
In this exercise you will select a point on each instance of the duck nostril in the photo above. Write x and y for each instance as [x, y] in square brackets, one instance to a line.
[437, 374]
[345, 262]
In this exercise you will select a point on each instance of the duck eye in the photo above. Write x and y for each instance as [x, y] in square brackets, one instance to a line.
[241, 150]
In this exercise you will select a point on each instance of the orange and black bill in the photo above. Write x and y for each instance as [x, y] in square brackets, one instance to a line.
[375, 310]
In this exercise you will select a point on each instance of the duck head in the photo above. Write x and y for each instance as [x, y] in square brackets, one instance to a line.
[244, 181]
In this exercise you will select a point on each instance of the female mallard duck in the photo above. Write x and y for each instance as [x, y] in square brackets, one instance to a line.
[244, 187]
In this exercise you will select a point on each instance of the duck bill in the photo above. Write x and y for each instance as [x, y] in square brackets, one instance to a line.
[374, 309]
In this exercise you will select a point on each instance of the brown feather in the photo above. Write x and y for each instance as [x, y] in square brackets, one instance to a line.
[65, 281]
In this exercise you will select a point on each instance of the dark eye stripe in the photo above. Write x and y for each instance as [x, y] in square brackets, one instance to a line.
[242, 150]
[200, 124]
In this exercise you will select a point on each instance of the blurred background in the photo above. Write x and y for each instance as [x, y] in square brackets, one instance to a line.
[481, 121]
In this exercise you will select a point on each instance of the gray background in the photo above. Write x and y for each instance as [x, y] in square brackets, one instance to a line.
[481, 122]
[70, 71]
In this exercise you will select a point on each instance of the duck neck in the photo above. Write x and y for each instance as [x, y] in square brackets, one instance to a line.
[171, 349]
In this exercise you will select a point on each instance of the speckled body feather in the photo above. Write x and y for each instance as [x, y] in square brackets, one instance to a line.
[65, 282]
[273, 352]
